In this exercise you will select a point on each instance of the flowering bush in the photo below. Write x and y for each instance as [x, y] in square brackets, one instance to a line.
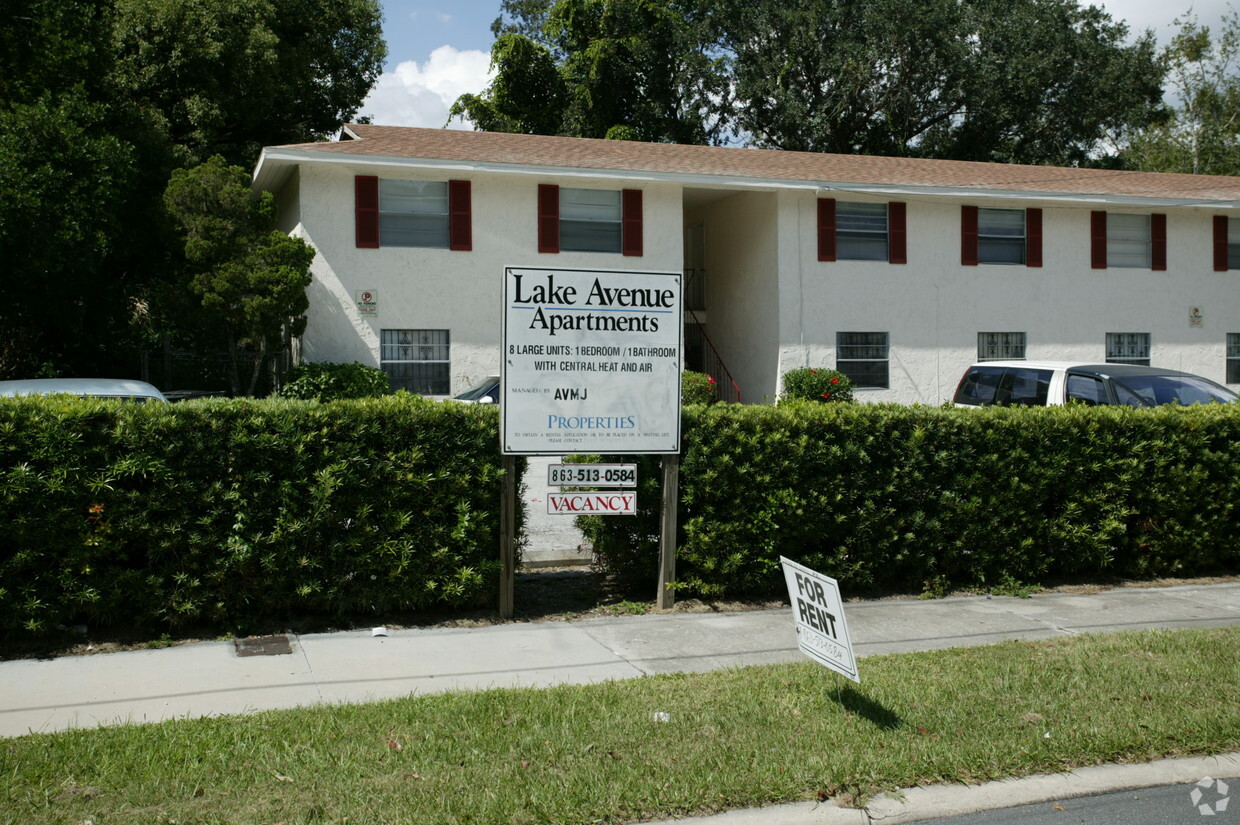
[813, 384]
[697, 388]
[333, 382]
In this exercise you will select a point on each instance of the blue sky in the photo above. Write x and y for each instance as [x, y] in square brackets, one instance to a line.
[439, 49]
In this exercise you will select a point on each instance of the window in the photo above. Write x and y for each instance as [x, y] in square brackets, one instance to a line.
[1128, 348]
[1226, 243]
[862, 356]
[1000, 236]
[1001, 346]
[589, 220]
[1128, 241]
[416, 360]
[855, 231]
[413, 213]
[986, 385]
[390, 212]
[1086, 389]
[1233, 358]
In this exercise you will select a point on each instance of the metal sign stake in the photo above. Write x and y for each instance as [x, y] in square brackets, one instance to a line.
[667, 532]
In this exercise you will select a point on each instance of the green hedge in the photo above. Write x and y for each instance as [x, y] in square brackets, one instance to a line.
[229, 511]
[911, 498]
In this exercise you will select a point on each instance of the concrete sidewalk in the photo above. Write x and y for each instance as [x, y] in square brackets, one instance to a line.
[210, 678]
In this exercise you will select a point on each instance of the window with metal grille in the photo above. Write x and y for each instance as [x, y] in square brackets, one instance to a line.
[1001, 236]
[413, 213]
[1128, 241]
[590, 220]
[861, 231]
[862, 356]
[1128, 348]
[1001, 346]
[1233, 358]
[416, 360]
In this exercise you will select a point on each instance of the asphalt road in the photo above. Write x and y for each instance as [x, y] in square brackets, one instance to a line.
[1165, 805]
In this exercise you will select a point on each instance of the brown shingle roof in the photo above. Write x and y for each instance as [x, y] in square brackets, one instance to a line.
[772, 165]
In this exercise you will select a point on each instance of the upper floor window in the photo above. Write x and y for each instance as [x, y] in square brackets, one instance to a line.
[413, 213]
[1226, 243]
[1000, 346]
[863, 356]
[395, 212]
[1128, 241]
[857, 231]
[1128, 348]
[589, 220]
[1000, 236]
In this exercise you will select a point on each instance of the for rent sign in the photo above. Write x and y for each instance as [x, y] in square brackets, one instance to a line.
[822, 632]
[591, 362]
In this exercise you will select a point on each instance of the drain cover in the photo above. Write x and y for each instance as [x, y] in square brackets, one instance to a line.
[263, 646]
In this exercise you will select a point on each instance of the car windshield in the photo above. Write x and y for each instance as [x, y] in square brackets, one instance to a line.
[489, 387]
[1153, 390]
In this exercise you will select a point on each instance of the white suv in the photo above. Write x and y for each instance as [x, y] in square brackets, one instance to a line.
[1050, 383]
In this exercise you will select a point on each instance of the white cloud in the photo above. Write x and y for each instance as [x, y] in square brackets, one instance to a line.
[416, 94]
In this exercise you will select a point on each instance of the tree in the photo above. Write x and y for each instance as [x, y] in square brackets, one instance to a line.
[1202, 133]
[638, 69]
[68, 176]
[231, 76]
[1027, 81]
[250, 278]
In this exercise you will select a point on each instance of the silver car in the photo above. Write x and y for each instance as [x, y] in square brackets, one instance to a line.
[1052, 383]
[121, 388]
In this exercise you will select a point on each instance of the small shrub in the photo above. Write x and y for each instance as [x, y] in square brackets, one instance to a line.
[335, 382]
[817, 384]
[697, 388]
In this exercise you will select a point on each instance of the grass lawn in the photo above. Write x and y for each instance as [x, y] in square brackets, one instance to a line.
[601, 753]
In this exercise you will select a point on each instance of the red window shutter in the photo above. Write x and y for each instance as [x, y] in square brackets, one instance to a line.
[631, 222]
[460, 216]
[548, 218]
[1158, 242]
[968, 236]
[826, 229]
[1033, 237]
[1098, 240]
[897, 233]
[1220, 243]
[366, 211]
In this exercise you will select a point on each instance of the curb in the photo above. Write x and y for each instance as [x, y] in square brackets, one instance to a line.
[936, 801]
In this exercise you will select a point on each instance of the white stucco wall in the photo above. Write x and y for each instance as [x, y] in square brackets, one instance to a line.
[421, 288]
[933, 307]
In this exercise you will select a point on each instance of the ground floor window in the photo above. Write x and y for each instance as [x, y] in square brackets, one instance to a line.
[862, 356]
[416, 360]
[1233, 358]
[1001, 346]
[1128, 348]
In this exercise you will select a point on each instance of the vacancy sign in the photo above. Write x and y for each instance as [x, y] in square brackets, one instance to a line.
[822, 632]
[591, 362]
[617, 503]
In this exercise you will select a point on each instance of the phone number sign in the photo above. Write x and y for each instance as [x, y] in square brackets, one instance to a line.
[591, 362]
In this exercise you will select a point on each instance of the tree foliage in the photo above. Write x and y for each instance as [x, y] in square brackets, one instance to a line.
[634, 69]
[249, 277]
[1032, 81]
[99, 101]
[1202, 134]
[231, 76]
